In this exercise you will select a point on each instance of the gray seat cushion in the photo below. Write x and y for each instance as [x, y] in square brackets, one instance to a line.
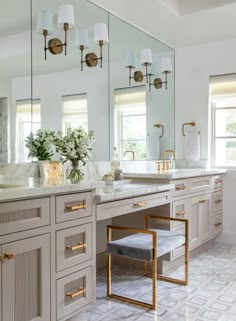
[139, 245]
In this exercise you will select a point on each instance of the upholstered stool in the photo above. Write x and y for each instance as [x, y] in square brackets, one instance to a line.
[147, 245]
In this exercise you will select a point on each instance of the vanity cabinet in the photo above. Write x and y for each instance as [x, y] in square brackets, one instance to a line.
[200, 200]
[26, 279]
[47, 270]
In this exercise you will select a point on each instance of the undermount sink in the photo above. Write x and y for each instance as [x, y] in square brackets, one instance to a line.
[9, 186]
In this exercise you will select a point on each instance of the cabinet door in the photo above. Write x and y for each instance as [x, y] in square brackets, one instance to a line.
[194, 239]
[26, 280]
[205, 217]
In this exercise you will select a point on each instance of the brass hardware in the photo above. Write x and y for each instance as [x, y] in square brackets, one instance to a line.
[139, 204]
[74, 295]
[218, 224]
[218, 201]
[162, 129]
[180, 187]
[218, 180]
[202, 201]
[164, 163]
[130, 151]
[185, 124]
[77, 207]
[9, 256]
[179, 213]
[158, 82]
[55, 46]
[138, 76]
[81, 245]
[91, 60]
[1, 258]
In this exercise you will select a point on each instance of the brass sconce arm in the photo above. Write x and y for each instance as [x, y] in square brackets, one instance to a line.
[91, 59]
[158, 82]
[162, 128]
[187, 124]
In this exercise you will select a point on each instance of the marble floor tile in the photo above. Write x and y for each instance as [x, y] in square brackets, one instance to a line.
[210, 295]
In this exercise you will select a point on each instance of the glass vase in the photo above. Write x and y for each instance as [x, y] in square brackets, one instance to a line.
[75, 174]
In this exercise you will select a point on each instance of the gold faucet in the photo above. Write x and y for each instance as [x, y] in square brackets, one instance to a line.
[130, 151]
[165, 165]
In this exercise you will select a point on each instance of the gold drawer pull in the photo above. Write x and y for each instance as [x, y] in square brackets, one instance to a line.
[79, 206]
[180, 188]
[218, 201]
[0, 258]
[202, 201]
[74, 295]
[218, 224]
[179, 213]
[140, 204]
[9, 256]
[77, 247]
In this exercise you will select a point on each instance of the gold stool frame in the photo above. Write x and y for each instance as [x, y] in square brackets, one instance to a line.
[153, 274]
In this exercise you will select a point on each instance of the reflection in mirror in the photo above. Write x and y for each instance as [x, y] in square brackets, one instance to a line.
[15, 72]
[142, 93]
[68, 95]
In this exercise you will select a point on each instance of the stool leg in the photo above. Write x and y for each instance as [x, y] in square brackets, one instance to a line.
[108, 274]
[186, 258]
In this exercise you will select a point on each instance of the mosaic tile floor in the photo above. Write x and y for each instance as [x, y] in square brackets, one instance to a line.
[210, 295]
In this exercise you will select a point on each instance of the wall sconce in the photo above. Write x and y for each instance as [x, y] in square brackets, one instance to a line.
[66, 21]
[166, 69]
[145, 60]
[82, 42]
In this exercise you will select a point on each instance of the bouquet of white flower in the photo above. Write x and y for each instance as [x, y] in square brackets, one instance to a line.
[75, 147]
[40, 144]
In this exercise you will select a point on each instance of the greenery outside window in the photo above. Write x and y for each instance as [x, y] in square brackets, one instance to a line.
[74, 112]
[130, 122]
[27, 121]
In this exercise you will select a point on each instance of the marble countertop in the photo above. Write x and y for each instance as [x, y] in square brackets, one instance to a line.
[119, 191]
[175, 173]
[15, 189]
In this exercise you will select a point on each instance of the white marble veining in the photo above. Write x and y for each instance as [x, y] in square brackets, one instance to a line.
[173, 174]
[109, 193]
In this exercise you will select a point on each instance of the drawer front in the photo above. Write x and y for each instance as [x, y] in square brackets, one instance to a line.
[181, 187]
[217, 202]
[74, 246]
[73, 206]
[217, 224]
[113, 209]
[180, 210]
[199, 184]
[217, 181]
[178, 252]
[74, 292]
[23, 215]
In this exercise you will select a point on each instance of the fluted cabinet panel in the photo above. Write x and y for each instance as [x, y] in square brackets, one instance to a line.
[26, 280]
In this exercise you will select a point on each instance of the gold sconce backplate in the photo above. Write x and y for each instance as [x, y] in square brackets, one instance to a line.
[138, 76]
[55, 46]
[157, 83]
[91, 60]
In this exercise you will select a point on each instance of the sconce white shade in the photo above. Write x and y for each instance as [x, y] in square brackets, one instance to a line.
[45, 22]
[66, 15]
[81, 38]
[166, 65]
[131, 59]
[146, 57]
[101, 33]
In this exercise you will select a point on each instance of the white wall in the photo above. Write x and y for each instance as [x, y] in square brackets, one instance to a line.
[194, 66]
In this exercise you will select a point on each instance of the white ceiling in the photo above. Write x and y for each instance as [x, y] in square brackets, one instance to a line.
[203, 21]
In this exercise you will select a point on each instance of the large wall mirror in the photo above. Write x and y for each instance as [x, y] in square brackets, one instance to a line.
[122, 112]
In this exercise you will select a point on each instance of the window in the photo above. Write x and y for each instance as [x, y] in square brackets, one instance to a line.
[223, 103]
[75, 112]
[26, 121]
[130, 121]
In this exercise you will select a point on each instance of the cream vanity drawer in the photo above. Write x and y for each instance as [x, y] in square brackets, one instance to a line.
[181, 187]
[217, 224]
[116, 208]
[74, 292]
[217, 202]
[217, 181]
[199, 184]
[180, 210]
[74, 246]
[23, 215]
[73, 206]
